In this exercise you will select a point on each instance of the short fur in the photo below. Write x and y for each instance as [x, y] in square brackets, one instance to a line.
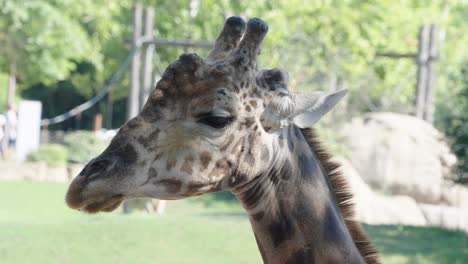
[343, 197]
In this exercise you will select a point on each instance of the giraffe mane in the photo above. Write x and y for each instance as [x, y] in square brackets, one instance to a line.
[343, 196]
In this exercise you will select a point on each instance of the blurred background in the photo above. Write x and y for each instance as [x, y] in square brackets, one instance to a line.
[72, 72]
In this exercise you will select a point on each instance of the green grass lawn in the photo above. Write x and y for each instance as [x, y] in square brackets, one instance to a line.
[37, 227]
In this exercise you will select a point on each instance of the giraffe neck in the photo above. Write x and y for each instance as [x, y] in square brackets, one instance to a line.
[293, 211]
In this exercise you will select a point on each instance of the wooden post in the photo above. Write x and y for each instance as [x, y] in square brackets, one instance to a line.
[421, 81]
[109, 109]
[431, 78]
[133, 94]
[78, 118]
[147, 57]
[97, 122]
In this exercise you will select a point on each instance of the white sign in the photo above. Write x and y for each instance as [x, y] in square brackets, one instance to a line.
[29, 128]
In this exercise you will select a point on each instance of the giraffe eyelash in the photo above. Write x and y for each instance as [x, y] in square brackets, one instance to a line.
[217, 122]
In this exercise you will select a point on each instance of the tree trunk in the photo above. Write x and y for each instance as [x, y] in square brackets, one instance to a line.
[431, 78]
[11, 84]
[421, 81]
[134, 91]
[147, 57]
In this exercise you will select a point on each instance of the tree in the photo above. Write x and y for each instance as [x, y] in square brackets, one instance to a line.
[42, 40]
[452, 117]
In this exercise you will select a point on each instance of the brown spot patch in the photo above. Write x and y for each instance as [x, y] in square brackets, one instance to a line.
[236, 88]
[134, 123]
[258, 216]
[220, 169]
[158, 94]
[248, 108]
[145, 141]
[253, 103]
[307, 167]
[171, 162]
[171, 185]
[152, 174]
[248, 122]
[128, 154]
[158, 156]
[282, 229]
[188, 165]
[205, 158]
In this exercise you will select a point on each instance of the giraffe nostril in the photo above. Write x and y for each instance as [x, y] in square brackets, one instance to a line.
[95, 168]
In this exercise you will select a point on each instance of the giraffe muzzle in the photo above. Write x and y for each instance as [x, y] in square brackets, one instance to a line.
[86, 193]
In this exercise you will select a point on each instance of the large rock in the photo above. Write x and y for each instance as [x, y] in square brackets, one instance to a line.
[399, 155]
[455, 195]
[445, 216]
[372, 208]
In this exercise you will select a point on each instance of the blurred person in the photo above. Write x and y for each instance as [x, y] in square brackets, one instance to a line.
[11, 124]
[2, 134]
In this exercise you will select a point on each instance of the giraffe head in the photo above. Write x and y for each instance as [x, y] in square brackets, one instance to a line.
[210, 125]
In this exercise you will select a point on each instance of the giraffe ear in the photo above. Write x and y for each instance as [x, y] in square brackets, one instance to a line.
[310, 109]
[303, 110]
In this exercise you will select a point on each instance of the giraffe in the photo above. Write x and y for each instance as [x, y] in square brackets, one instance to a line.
[220, 124]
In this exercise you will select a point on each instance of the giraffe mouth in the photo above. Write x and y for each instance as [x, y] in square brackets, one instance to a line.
[107, 205]
[79, 198]
[94, 205]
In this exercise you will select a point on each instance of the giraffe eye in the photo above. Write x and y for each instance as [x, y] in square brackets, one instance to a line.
[216, 121]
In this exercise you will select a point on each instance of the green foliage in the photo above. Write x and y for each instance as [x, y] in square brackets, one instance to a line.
[83, 146]
[52, 154]
[43, 39]
[321, 43]
[452, 117]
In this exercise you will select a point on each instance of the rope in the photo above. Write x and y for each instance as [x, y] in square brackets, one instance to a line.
[94, 100]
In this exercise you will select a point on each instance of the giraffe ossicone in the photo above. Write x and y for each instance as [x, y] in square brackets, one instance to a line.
[220, 124]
